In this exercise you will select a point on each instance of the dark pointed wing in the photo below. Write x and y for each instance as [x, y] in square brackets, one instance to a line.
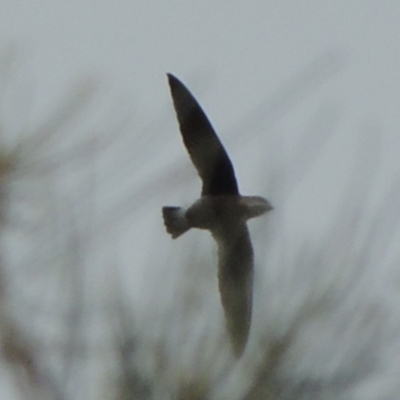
[205, 149]
[235, 274]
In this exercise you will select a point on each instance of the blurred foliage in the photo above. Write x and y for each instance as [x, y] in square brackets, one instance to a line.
[97, 303]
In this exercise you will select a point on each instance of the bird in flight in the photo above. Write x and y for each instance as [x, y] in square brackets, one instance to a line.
[221, 210]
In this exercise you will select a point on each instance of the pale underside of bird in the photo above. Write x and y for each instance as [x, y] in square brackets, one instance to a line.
[221, 210]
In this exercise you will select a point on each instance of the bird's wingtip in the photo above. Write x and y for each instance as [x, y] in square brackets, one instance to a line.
[171, 77]
[174, 82]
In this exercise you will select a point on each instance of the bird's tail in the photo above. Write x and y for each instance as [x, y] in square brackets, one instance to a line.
[175, 221]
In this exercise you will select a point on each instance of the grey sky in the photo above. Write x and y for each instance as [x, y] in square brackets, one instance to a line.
[233, 55]
[239, 51]
[236, 57]
[266, 73]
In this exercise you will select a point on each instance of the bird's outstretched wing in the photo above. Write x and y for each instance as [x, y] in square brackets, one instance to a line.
[205, 149]
[235, 274]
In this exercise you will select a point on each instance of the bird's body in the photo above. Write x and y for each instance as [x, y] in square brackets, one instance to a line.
[221, 210]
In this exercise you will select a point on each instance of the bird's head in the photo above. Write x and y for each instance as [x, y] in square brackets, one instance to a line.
[254, 206]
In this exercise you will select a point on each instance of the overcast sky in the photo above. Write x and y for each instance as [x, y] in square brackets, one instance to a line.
[238, 52]
[267, 72]
[234, 56]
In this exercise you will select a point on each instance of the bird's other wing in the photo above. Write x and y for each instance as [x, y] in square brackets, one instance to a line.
[235, 274]
[205, 149]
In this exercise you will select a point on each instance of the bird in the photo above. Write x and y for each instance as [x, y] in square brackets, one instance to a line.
[221, 209]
